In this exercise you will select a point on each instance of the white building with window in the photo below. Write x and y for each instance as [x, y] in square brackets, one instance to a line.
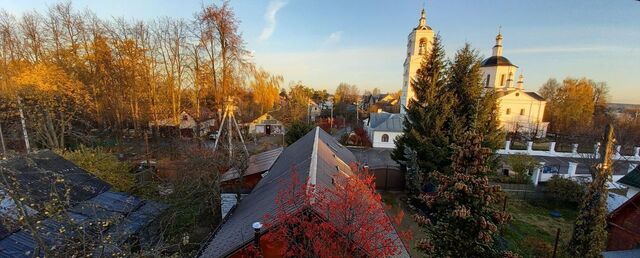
[383, 128]
[520, 111]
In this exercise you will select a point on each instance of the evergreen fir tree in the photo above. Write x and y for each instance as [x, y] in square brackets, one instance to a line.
[589, 233]
[425, 144]
[465, 217]
[475, 108]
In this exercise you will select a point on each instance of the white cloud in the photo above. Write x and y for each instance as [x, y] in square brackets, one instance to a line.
[270, 19]
[333, 38]
[568, 49]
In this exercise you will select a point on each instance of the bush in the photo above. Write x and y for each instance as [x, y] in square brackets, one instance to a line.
[296, 131]
[563, 189]
[103, 165]
[523, 165]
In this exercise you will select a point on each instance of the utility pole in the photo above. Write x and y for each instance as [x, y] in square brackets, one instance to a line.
[608, 150]
[24, 127]
[331, 121]
[4, 147]
[589, 229]
[148, 169]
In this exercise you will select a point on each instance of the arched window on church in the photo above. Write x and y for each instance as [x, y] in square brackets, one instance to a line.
[486, 84]
[422, 45]
[385, 138]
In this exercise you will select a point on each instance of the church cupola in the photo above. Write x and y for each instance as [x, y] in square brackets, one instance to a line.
[497, 49]
[498, 71]
[521, 82]
[423, 20]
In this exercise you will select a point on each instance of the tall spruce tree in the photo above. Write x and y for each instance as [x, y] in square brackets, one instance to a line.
[589, 233]
[465, 218]
[475, 107]
[425, 145]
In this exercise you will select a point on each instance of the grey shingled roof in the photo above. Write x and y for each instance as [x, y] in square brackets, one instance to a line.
[632, 178]
[35, 175]
[298, 158]
[388, 122]
[258, 163]
[91, 202]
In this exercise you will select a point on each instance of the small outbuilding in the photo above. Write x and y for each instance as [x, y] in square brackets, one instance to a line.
[266, 124]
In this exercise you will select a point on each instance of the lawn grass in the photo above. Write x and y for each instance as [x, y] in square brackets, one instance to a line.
[532, 231]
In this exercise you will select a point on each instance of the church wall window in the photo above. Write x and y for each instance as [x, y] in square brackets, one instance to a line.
[502, 80]
[508, 111]
[385, 138]
[488, 79]
[421, 46]
[522, 112]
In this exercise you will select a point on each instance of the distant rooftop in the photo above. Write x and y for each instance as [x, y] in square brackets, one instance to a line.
[91, 203]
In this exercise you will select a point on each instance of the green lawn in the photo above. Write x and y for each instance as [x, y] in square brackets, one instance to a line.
[532, 230]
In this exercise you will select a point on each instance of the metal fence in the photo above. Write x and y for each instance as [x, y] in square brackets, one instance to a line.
[522, 191]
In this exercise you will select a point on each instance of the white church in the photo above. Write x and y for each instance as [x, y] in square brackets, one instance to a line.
[520, 111]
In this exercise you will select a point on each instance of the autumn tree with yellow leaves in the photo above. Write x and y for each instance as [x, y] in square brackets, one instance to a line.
[118, 74]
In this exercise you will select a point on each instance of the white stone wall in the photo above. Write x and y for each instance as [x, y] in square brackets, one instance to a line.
[495, 76]
[510, 108]
[377, 142]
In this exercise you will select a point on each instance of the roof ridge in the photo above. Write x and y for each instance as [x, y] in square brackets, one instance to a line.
[313, 167]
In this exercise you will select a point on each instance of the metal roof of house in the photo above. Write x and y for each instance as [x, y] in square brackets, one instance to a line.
[36, 175]
[257, 163]
[633, 253]
[531, 94]
[314, 157]
[126, 214]
[90, 205]
[389, 122]
[632, 178]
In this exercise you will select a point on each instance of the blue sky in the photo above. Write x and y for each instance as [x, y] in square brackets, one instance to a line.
[323, 43]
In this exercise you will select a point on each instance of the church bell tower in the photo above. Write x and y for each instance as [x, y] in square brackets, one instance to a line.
[419, 43]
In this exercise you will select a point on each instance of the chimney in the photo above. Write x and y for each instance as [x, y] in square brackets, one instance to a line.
[256, 229]
[636, 152]
[552, 147]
